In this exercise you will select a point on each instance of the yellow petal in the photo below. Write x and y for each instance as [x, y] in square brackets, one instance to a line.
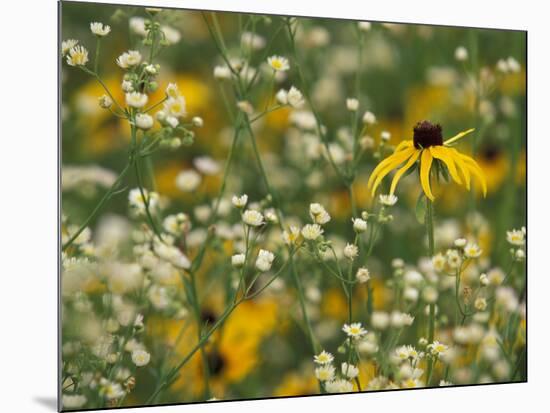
[443, 154]
[402, 155]
[398, 159]
[477, 171]
[403, 145]
[402, 171]
[458, 136]
[461, 166]
[425, 166]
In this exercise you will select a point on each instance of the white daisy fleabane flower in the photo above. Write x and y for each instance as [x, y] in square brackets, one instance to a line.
[484, 280]
[325, 372]
[318, 214]
[516, 237]
[282, 97]
[105, 102]
[380, 320]
[369, 118]
[352, 104]
[362, 275]
[253, 218]
[67, 45]
[100, 29]
[264, 260]
[73, 401]
[324, 357]
[144, 121]
[364, 26]
[175, 107]
[339, 386]
[388, 200]
[354, 330]
[140, 357]
[385, 136]
[206, 165]
[278, 63]
[437, 348]
[172, 91]
[351, 251]
[239, 201]
[472, 250]
[349, 370]
[78, 56]
[295, 98]
[136, 99]
[461, 54]
[292, 235]
[312, 231]
[460, 242]
[129, 59]
[222, 73]
[438, 262]
[188, 181]
[171, 35]
[197, 121]
[237, 260]
[252, 41]
[453, 258]
[359, 225]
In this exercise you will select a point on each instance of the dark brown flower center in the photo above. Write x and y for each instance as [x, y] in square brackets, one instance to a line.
[427, 134]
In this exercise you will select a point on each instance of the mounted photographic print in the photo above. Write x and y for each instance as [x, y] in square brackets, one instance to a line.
[258, 206]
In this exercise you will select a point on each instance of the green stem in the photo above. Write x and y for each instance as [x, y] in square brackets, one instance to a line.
[431, 251]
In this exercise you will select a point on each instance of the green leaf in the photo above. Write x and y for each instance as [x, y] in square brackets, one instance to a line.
[420, 209]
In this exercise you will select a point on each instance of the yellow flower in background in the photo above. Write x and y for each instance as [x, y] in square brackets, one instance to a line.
[427, 144]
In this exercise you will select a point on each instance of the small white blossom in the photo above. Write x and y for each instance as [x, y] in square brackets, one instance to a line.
[359, 225]
[351, 251]
[461, 54]
[339, 386]
[369, 118]
[437, 348]
[352, 104]
[318, 214]
[222, 73]
[253, 218]
[472, 250]
[144, 121]
[188, 181]
[349, 370]
[140, 357]
[105, 102]
[388, 200]
[78, 56]
[136, 99]
[239, 201]
[129, 59]
[325, 372]
[362, 275]
[312, 231]
[264, 260]
[323, 357]
[67, 45]
[516, 237]
[278, 63]
[354, 330]
[237, 260]
[364, 26]
[100, 29]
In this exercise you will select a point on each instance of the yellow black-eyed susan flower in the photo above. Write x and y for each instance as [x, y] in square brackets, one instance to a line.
[427, 144]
